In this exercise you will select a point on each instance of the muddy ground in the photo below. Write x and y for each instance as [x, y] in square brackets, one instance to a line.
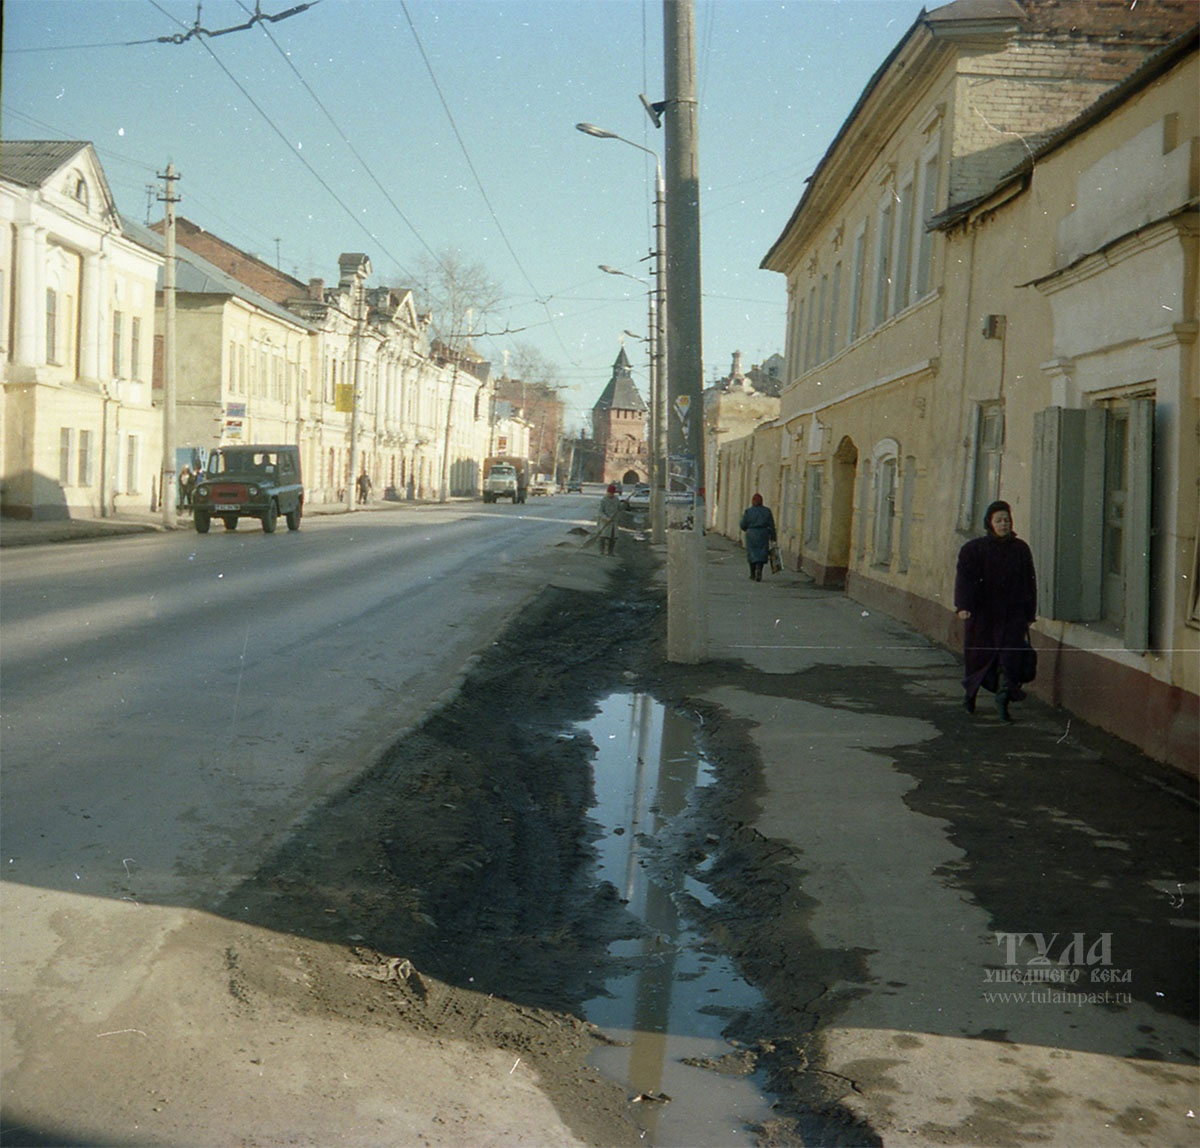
[456, 879]
[464, 865]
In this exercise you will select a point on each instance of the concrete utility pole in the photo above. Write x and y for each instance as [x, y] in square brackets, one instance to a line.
[360, 318]
[687, 623]
[166, 483]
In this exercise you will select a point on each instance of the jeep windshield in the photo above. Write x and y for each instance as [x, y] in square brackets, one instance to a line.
[239, 462]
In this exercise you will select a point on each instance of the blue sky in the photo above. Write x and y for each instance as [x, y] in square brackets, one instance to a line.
[399, 127]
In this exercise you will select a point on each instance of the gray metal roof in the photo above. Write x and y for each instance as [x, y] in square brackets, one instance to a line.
[31, 162]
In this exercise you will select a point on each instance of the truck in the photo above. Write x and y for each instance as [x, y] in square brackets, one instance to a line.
[504, 478]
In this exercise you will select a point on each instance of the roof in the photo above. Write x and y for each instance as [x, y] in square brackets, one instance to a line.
[621, 394]
[34, 164]
[31, 162]
[194, 275]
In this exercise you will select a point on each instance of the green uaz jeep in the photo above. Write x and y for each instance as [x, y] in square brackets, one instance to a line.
[257, 481]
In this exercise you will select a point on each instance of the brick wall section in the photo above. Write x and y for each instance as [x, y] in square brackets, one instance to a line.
[1068, 53]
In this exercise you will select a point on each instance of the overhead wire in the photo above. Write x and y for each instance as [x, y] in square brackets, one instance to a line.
[292, 148]
[475, 174]
[349, 144]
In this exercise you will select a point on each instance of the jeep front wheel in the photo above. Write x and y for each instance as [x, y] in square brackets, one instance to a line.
[270, 517]
[203, 520]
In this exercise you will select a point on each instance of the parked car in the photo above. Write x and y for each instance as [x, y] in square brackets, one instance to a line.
[638, 498]
[255, 481]
[575, 486]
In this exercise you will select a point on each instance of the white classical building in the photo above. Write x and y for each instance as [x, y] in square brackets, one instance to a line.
[78, 430]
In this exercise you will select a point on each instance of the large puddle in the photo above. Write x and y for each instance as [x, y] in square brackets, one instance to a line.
[680, 991]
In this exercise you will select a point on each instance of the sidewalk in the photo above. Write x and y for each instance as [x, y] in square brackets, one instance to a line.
[20, 532]
[929, 847]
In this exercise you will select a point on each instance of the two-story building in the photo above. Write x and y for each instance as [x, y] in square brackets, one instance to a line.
[992, 293]
[79, 433]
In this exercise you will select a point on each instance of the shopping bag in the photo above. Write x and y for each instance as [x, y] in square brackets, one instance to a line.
[776, 560]
[1027, 660]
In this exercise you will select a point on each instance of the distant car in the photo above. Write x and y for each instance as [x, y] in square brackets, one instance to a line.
[575, 486]
[638, 498]
[254, 481]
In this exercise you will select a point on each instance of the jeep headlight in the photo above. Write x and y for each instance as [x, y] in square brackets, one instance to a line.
[202, 491]
[252, 491]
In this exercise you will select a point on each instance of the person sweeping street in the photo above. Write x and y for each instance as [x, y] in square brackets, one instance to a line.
[606, 520]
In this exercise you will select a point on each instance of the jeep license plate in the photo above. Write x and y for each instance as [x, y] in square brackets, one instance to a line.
[225, 506]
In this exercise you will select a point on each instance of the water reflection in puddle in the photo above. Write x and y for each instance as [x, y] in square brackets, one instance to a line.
[680, 992]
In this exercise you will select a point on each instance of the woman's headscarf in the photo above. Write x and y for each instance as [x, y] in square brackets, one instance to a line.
[612, 489]
[756, 500]
[993, 509]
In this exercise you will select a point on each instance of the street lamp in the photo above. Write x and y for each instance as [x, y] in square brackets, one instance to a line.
[658, 355]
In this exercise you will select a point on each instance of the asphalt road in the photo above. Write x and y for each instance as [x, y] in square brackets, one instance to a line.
[173, 702]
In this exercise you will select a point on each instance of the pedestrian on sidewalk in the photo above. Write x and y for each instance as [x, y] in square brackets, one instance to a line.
[606, 520]
[995, 594]
[363, 486]
[758, 524]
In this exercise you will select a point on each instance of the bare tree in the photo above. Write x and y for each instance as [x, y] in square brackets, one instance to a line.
[459, 294]
[526, 362]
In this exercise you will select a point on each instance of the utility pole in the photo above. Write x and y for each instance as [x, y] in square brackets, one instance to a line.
[687, 621]
[443, 485]
[360, 284]
[166, 483]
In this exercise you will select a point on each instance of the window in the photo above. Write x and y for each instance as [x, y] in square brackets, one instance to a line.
[132, 463]
[822, 320]
[812, 507]
[51, 325]
[858, 274]
[117, 323]
[135, 347]
[66, 449]
[883, 267]
[985, 449]
[927, 206]
[832, 343]
[1092, 516]
[902, 260]
[232, 367]
[84, 458]
[797, 354]
[810, 334]
[885, 502]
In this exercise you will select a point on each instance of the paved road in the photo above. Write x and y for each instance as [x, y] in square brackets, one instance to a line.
[173, 701]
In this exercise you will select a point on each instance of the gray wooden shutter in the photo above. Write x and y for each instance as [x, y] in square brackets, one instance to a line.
[1067, 517]
[1139, 533]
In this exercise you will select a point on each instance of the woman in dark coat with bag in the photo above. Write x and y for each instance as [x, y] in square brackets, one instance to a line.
[995, 594]
[759, 525]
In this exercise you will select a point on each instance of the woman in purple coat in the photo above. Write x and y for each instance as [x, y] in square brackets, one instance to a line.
[995, 594]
